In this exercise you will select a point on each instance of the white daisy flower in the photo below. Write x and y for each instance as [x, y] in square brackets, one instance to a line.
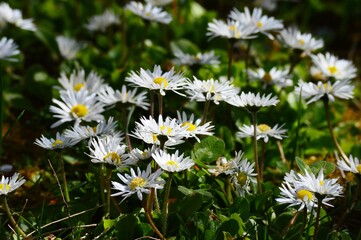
[351, 165]
[68, 47]
[102, 22]
[60, 142]
[200, 58]
[158, 80]
[313, 92]
[172, 162]
[262, 23]
[93, 83]
[78, 106]
[294, 39]
[211, 90]
[138, 154]
[8, 49]
[194, 127]
[331, 66]
[159, 2]
[275, 76]
[109, 96]
[231, 29]
[103, 128]
[10, 184]
[243, 176]
[262, 131]
[15, 16]
[138, 183]
[149, 12]
[253, 102]
[109, 150]
[149, 130]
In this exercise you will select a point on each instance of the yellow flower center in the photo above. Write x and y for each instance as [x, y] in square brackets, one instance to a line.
[5, 187]
[302, 42]
[301, 194]
[154, 137]
[259, 24]
[114, 157]
[137, 182]
[332, 69]
[168, 130]
[212, 89]
[263, 127]
[197, 58]
[233, 28]
[325, 87]
[172, 163]
[161, 81]
[358, 167]
[242, 178]
[191, 127]
[322, 182]
[56, 143]
[78, 86]
[267, 77]
[80, 110]
[144, 153]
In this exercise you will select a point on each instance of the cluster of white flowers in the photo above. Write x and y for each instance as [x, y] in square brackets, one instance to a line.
[14, 16]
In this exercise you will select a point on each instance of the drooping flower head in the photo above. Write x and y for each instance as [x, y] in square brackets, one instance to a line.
[102, 22]
[10, 184]
[14, 16]
[352, 164]
[274, 76]
[149, 12]
[68, 47]
[198, 59]
[8, 49]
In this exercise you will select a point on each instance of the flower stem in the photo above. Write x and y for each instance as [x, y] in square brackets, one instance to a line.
[10, 216]
[2, 106]
[255, 148]
[65, 183]
[107, 186]
[263, 156]
[327, 111]
[230, 58]
[165, 204]
[246, 60]
[160, 103]
[150, 220]
[151, 99]
[205, 111]
[317, 223]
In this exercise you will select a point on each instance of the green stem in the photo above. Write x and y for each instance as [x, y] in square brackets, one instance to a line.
[10, 216]
[151, 99]
[205, 111]
[65, 183]
[2, 106]
[230, 58]
[160, 103]
[150, 220]
[319, 202]
[297, 130]
[263, 156]
[255, 148]
[165, 204]
[107, 186]
[229, 190]
[246, 61]
[327, 111]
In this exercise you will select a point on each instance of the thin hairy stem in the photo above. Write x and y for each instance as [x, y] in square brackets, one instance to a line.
[65, 183]
[205, 111]
[11, 218]
[165, 204]
[150, 220]
[255, 148]
[317, 223]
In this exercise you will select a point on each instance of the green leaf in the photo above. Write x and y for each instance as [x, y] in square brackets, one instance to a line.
[327, 167]
[230, 226]
[302, 165]
[126, 226]
[209, 149]
[190, 205]
[108, 223]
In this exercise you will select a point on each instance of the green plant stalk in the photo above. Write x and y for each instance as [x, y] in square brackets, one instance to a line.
[297, 130]
[205, 111]
[151, 100]
[146, 206]
[107, 186]
[246, 60]
[160, 103]
[10, 216]
[327, 112]
[65, 183]
[263, 158]
[255, 148]
[165, 204]
[229, 191]
[317, 223]
[230, 58]
[1, 112]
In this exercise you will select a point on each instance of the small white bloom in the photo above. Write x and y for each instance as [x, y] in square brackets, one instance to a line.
[294, 39]
[60, 142]
[149, 12]
[194, 127]
[78, 106]
[138, 154]
[262, 131]
[313, 92]
[68, 47]
[15, 16]
[102, 22]
[331, 66]
[231, 29]
[109, 96]
[253, 102]
[159, 2]
[8, 49]
[351, 165]
[172, 162]
[138, 183]
[200, 58]
[10, 184]
[158, 80]
[243, 175]
[274, 76]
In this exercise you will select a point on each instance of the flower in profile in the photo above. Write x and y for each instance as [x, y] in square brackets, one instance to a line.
[261, 23]
[8, 49]
[242, 172]
[78, 106]
[109, 150]
[109, 96]
[103, 128]
[211, 90]
[331, 66]
[200, 58]
[68, 47]
[102, 22]
[15, 16]
[158, 80]
[227, 167]
[262, 131]
[253, 102]
[351, 165]
[275, 76]
[231, 29]
[93, 83]
[137, 183]
[313, 92]
[172, 162]
[194, 127]
[159, 2]
[149, 12]
[138, 154]
[10, 184]
[60, 142]
[294, 39]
